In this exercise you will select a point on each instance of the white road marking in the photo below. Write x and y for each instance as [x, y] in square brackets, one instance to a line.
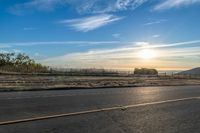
[95, 111]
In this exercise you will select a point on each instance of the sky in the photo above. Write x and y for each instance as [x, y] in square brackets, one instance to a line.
[111, 34]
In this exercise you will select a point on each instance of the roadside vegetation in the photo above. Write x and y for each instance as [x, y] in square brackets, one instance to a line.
[22, 63]
[20, 72]
[145, 71]
[11, 62]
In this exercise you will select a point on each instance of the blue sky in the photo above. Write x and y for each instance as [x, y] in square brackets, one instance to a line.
[103, 34]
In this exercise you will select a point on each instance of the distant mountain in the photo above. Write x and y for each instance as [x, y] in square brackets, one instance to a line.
[194, 71]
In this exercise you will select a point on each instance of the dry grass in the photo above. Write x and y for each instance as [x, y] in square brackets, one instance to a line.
[31, 82]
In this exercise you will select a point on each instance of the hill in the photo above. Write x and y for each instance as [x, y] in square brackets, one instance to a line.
[194, 71]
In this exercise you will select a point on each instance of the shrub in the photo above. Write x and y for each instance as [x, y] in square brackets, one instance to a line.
[145, 71]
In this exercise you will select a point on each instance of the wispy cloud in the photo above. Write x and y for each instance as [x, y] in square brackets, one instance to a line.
[11, 51]
[3, 51]
[3, 45]
[116, 35]
[29, 28]
[44, 5]
[89, 6]
[94, 6]
[91, 23]
[79, 43]
[155, 22]
[127, 56]
[17, 51]
[167, 4]
[39, 56]
[127, 44]
[156, 36]
[105, 6]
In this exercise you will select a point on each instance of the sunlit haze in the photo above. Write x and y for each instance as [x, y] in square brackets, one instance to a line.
[147, 54]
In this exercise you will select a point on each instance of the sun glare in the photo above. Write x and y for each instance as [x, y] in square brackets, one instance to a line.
[147, 54]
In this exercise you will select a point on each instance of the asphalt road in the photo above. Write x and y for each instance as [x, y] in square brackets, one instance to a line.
[161, 115]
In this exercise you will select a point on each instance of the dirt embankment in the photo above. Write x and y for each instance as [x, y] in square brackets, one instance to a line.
[34, 82]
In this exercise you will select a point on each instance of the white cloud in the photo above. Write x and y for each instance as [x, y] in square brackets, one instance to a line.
[36, 54]
[45, 5]
[91, 23]
[116, 35]
[125, 4]
[167, 4]
[94, 6]
[82, 6]
[86, 43]
[79, 43]
[39, 56]
[142, 44]
[17, 51]
[10, 51]
[29, 28]
[3, 45]
[155, 22]
[105, 6]
[3, 51]
[123, 55]
[156, 36]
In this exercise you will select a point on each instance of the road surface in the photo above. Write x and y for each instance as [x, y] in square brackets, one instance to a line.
[112, 110]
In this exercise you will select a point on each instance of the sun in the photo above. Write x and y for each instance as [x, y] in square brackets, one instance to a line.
[147, 54]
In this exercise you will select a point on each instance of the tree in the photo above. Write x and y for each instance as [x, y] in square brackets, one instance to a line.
[19, 63]
[6, 58]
